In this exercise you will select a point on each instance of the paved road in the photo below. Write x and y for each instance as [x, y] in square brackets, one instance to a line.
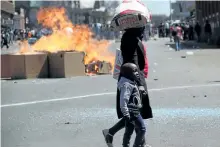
[184, 92]
[13, 48]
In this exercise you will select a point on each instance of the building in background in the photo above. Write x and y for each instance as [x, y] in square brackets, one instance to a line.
[81, 13]
[209, 10]
[78, 11]
[19, 20]
[7, 13]
[31, 8]
[182, 10]
[93, 11]
[158, 19]
[23, 7]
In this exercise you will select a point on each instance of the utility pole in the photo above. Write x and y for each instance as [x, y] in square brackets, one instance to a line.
[170, 11]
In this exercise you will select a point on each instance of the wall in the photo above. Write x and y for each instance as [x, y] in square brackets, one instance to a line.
[31, 8]
[157, 19]
[182, 9]
[7, 11]
[7, 6]
[209, 10]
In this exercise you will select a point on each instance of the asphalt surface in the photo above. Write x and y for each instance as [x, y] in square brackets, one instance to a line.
[13, 48]
[184, 93]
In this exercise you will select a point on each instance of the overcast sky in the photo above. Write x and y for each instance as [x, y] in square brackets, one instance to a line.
[155, 6]
[158, 6]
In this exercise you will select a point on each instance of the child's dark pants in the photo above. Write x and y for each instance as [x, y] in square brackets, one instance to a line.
[136, 123]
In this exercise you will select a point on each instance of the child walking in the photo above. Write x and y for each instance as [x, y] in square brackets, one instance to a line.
[130, 104]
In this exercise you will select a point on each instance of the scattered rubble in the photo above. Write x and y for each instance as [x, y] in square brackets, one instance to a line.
[98, 67]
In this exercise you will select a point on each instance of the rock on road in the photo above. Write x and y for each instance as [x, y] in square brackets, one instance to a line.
[184, 94]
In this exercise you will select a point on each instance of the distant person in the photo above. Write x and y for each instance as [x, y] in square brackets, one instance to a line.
[186, 30]
[161, 30]
[29, 34]
[167, 29]
[151, 32]
[10, 36]
[4, 40]
[208, 31]
[178, 36]
[172, 33]
[198, 31]
[191, 32]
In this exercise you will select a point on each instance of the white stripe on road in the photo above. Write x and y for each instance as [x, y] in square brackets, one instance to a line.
[57, 99]
[101, 94]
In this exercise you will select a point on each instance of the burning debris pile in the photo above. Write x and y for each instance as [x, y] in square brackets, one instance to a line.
[98, 67]
[69, 37]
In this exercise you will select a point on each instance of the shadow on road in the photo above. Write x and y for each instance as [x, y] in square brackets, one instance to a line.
[192, 45]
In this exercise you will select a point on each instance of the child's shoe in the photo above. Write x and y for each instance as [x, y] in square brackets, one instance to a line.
[108, 137]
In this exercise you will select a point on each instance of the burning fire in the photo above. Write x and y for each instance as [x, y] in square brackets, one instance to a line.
[24, 47]
[68, 37]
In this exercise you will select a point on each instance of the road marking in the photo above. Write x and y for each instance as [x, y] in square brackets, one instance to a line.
[57, 99]
[184, 87]
[109, 93]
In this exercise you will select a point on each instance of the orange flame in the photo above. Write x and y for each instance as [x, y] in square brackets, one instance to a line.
[96, 68]
[69, 37]
[24, 47]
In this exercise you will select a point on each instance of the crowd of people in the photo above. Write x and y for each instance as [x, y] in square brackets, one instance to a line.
[10, 36]
[185, 31]
[103, 31]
